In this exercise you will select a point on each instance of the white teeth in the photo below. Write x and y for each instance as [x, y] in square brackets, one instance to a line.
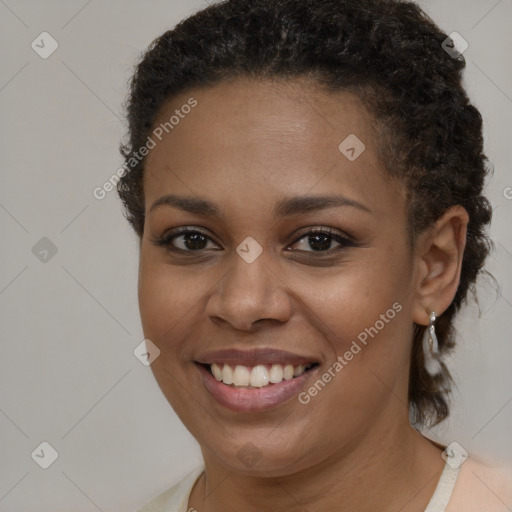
[288, 372]
[241, 376]
[217, 372]
[257, 377]
[276, 374]
[227, 374]
[298, 370]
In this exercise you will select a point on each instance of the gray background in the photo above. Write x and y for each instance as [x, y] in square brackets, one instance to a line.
[69, 325]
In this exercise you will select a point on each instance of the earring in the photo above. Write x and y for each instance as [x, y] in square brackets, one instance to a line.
[431, 348]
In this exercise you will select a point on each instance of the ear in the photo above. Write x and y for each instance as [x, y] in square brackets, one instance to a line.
[438, 255]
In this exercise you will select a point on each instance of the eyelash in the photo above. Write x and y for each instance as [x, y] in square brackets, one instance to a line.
[167, 239]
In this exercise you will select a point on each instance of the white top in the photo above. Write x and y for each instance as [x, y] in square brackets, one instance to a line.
[176, 498]
[444, 489]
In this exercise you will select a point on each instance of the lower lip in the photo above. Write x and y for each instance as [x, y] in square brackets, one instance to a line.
[256, 399]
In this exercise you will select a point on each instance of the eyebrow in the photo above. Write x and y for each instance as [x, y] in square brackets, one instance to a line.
[284, 208]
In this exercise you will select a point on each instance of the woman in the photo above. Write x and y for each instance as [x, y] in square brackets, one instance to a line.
[305, 178]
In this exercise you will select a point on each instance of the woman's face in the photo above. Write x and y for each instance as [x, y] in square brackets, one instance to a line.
[258, 286]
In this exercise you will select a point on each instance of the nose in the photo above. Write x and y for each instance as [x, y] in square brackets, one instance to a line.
[250, 293]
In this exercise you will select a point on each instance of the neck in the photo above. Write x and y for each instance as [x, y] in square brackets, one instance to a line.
[390, 469]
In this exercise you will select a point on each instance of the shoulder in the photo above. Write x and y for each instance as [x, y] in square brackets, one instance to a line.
[481, 487]
[174, 499]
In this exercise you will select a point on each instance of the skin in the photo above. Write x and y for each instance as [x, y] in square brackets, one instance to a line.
[246, 146]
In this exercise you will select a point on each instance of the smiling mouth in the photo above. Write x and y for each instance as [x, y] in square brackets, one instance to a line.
[259, 376]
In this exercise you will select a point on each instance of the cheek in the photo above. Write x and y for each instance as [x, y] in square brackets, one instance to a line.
[158, 297]
[352, 298]
[364, 314]
[170, 299]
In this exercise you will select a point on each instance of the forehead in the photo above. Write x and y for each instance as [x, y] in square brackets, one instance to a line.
[248, 138]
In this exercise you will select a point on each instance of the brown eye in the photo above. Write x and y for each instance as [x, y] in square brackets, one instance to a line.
[192, 241]
[322, 241]
[185, 240]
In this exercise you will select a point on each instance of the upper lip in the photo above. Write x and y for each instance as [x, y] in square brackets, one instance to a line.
[254, 356]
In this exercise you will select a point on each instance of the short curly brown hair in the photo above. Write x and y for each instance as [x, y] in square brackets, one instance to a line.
[391, 54]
